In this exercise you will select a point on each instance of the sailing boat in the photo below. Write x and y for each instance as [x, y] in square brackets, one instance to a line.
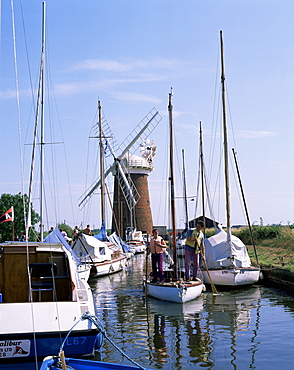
[46, 301]
[176, 290]
[103, 256]
[227, 258]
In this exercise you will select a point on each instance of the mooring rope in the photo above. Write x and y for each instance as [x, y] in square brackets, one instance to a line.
[98, 324]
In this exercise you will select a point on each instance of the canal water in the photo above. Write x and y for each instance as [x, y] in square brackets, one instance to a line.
[251, 328]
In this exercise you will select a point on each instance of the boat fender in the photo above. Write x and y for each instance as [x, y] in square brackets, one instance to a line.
[98, 341]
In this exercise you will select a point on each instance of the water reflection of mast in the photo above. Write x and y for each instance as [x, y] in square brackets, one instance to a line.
[253, 349]
[159, 338]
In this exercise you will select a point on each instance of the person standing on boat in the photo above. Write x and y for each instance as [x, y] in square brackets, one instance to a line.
[157, 244]
[194, 243]
[87, 230]
[75, 232]
[22, 237]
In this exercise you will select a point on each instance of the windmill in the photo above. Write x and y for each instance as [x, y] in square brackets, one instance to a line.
[131, 201]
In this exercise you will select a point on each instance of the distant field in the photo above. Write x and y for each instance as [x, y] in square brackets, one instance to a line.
[274, 245]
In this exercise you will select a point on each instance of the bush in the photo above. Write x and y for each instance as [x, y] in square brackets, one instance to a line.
[266, 232]
[259, 233]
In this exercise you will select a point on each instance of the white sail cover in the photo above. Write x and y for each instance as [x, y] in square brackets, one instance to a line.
[220, 252]
[87, 246]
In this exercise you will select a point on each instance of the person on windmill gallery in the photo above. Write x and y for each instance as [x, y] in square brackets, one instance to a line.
[194, 244]
[157, 247]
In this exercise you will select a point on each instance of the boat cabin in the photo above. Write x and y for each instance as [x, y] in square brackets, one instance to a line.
[49, 270]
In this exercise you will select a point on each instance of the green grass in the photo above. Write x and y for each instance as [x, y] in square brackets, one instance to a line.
[274, 245]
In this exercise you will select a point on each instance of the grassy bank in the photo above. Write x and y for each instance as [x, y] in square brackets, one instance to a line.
[274, 245]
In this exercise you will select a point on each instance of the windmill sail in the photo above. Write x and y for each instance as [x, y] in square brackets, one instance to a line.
[130, 144]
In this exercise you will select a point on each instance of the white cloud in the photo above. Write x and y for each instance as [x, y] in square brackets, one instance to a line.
[133, 96]
[256, 134]
[11, 93]
[126, 66]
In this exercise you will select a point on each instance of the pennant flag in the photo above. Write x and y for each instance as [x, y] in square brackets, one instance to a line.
[7, 216]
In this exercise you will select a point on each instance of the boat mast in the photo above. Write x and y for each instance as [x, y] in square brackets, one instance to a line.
[40, 101]
[225, 133]
[101, 164]
[171, 178]
[202, 175]
[42, 143]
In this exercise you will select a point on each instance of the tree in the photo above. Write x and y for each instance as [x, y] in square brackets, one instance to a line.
[20, 205]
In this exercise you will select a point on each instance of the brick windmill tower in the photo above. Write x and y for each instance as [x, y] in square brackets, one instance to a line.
[138, 168]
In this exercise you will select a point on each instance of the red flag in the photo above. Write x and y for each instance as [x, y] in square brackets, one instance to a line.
[7, 216]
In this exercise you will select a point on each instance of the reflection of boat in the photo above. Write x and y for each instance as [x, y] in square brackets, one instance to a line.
[233, 310]
[227, 258]
[169, 309]
[175, 290]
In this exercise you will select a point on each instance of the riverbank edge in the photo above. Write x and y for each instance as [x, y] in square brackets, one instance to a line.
[278, 277]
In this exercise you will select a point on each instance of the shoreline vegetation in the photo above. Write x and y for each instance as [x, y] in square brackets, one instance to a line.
[274, 245]
[274, 248]
[275, 251]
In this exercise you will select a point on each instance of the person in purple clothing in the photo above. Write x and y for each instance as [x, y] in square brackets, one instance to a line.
[156, 246]
[194, 243]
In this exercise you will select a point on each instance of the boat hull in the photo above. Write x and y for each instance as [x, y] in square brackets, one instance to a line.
[232, 276]
[137, 247]
[40, 328]
[177, 292]
[17, 348]
[108, 267]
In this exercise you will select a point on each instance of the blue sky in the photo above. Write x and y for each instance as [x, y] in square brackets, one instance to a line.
[129, 53]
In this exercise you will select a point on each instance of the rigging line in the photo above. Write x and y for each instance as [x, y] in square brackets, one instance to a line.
[164, 187]
[230, 114]
[27, 52]
[197, 187]
[51, 95]
[237, 185]
[215, 117]
[208, 200]
[217, 135]
[54, 191]
[18, 105]
[53, 153]
[20, 148]
[87, 210]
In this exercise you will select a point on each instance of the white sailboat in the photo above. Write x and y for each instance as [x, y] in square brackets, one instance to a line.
[176, 290]
[47, 303]
[104, 258]
[135, 240]
[227, 258]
